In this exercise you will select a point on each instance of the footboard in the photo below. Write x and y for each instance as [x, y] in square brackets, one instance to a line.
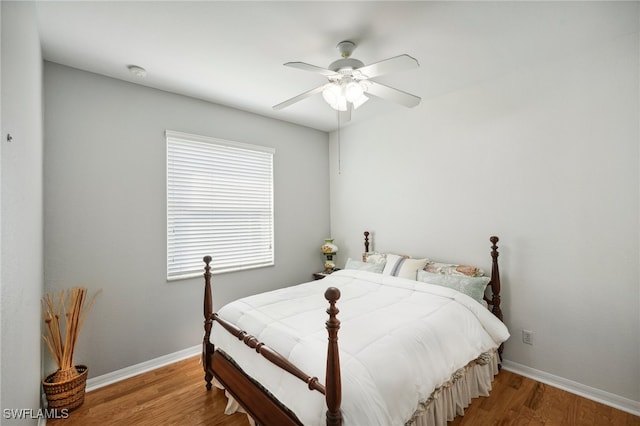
[257, 401]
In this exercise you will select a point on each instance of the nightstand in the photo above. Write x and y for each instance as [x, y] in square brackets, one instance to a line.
[321, 275]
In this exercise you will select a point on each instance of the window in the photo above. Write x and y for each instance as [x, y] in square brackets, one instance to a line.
[219, 203]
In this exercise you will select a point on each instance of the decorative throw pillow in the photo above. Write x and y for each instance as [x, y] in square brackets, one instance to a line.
[453, 269]
[374, 257]
[471, 286]
[402, 266]
[364, 266]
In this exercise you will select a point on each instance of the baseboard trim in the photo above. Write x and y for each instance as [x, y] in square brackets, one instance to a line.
[603, 397]
[127, 372]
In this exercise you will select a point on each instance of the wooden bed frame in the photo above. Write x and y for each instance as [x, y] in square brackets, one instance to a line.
[258, 402]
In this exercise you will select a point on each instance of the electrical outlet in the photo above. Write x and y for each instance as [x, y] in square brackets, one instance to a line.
[527, 337]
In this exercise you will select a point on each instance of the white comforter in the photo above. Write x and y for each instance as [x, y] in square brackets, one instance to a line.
[399, 340]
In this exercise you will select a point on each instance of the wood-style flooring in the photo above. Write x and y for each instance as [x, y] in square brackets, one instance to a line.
[175, 395]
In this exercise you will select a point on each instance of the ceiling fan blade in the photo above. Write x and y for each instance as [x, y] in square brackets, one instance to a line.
[301, 96]
[397, 63]
[308, 67]
[385, 92]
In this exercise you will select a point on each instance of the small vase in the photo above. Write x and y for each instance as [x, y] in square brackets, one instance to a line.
[329, 249]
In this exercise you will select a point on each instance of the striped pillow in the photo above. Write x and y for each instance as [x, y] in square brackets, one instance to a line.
[402, 266]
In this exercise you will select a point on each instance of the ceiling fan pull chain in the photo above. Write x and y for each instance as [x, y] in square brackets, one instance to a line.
[339, 156]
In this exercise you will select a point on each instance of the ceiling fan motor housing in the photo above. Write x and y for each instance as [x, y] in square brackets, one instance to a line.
[345, 65]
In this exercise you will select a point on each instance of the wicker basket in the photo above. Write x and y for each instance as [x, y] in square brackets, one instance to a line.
[67, 391]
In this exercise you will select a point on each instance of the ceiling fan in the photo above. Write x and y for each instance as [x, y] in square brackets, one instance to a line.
[350, 83]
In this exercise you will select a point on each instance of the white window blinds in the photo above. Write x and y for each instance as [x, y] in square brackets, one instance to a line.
[219, 203]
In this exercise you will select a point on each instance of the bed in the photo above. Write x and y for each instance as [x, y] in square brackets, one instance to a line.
[414, 350]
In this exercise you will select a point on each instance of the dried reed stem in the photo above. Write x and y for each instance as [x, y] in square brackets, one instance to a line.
[61, 340]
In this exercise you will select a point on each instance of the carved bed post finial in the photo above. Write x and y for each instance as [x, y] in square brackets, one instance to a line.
[495, 279]
[333, 384]
[207, 347]
[366, 241]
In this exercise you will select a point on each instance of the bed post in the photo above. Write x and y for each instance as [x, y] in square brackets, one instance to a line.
[333, 383]
[495, 285]
[207, 347]
[366, 246]
[495, 279]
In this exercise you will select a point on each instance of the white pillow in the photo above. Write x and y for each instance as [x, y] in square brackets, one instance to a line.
[404, 267]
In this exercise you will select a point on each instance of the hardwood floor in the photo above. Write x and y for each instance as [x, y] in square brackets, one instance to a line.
[518, 400]
[175, 395]
[171, 395]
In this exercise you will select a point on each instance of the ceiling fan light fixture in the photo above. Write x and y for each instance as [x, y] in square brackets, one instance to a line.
[342, 104]
[360, 101]
[335, 96]
[332, 95]
[340, 93]
[353, 91]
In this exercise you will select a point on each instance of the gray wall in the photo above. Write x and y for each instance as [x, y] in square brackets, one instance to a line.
[544, 155]
[105, 212]
[21, 248]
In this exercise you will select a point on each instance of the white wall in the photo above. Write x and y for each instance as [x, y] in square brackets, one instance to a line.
[545, 156]
[105, 210]
[21, 264]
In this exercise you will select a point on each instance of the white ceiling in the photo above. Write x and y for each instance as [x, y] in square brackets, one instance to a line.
[231, 53]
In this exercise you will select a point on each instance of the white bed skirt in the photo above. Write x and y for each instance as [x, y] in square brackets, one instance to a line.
[445, 403]
[450, 400]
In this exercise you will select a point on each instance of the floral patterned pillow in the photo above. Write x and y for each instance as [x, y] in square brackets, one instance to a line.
[374, 257]
[364, 266]
[453, 269]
